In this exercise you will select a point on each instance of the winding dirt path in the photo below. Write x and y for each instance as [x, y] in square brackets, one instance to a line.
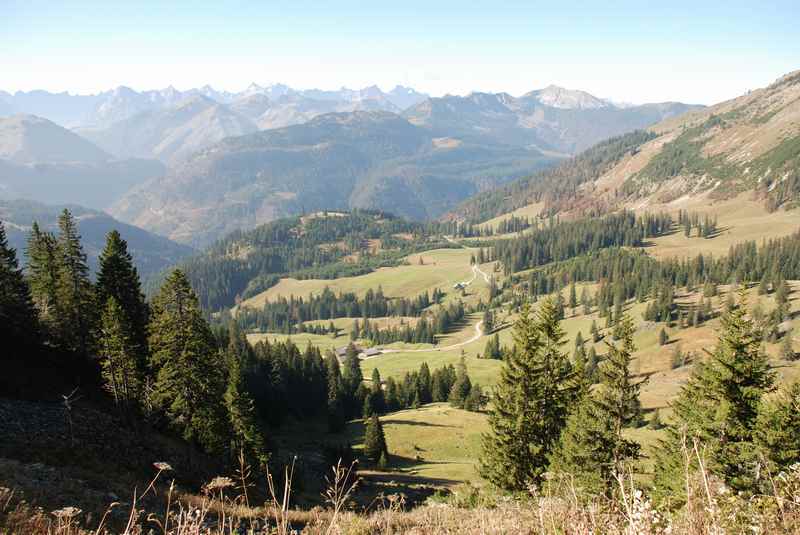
[478, 326]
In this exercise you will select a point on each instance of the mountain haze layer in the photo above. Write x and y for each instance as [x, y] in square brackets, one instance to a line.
[101, 110]
[42, 161]
[171, 134]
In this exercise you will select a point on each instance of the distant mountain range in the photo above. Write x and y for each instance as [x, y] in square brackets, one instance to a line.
[550, 119]
[103, 109]
[151, 253]
[418, 164]
[171, 134]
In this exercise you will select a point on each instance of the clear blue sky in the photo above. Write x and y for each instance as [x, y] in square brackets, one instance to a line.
[672, 50]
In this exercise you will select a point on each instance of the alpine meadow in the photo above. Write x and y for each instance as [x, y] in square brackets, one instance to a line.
[372, 269]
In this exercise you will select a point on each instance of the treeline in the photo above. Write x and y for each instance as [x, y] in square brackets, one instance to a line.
[423, 332]
[158, 362]
[468, 229]
[635, 274]
[448, 383]
[556, 185]
[247, 262]
[562, 241]
[706, 227]
[287, 315]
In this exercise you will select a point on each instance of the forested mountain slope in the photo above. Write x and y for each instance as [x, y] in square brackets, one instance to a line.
[337, 161]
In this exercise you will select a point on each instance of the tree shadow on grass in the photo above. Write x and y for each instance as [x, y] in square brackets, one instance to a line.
[416, 423]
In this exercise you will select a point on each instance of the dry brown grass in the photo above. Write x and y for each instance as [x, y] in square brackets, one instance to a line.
[557, 509]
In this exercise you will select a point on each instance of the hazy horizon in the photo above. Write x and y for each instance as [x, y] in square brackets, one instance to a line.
[626, 52]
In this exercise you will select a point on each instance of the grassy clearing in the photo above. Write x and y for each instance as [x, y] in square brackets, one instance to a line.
[441, 268]
[531, 211]
[739, 220]
[323, 341]
[435, 444]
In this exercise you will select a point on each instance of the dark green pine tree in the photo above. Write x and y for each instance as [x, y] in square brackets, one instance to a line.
[461, 387]
[423, 384]
[190, 381]
[391, 396]
[246, 433]
[43, 274]
[336, 409]
[531, 402]
[119, 358]
[618, 396]
[778, 430]
[374, 402]
[352, 380]
[592, 447]
[717, 409]
[19, 324]
[74, 293]
[374, 440]
[117, 277]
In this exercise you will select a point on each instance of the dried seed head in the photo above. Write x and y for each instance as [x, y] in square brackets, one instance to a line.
[66, 512]
[219, 482]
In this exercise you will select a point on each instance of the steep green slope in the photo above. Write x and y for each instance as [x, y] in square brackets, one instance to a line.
[552, 185]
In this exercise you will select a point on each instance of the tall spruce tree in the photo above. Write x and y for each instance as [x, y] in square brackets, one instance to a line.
[246, 433]
[190, 379]
[117, 277]
[531, 402]
[119, 358]
[717, 410]
[424, 384]
[778, 429]
[352, 379]
[461, 387]
[592, 448]
[336, 409]
[43, 273]
[74, 293]
[19, 324]
[374, 439]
